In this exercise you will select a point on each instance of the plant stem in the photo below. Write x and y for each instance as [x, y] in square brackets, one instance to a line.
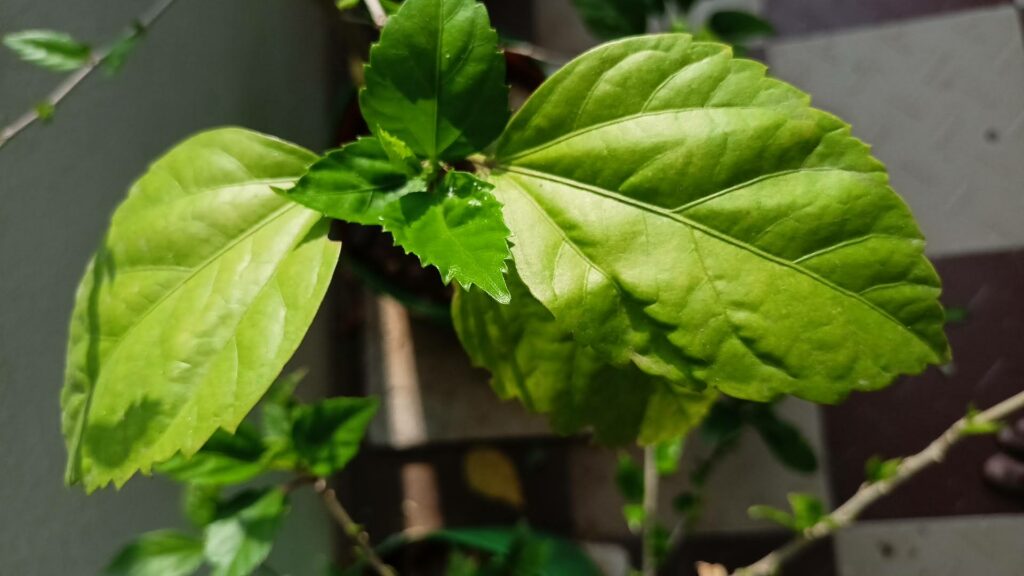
[869, 493]
[649, 560]
[380, 17]
[351, 529]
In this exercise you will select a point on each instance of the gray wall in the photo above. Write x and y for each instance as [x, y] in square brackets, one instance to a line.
[256, 64]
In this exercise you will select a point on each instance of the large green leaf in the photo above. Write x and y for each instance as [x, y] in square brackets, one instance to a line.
[161, 553]
[205, 284]
[49, 49]
[532, 358]
[239, 543]
[674, 208]
[456, 225]
[436, 80]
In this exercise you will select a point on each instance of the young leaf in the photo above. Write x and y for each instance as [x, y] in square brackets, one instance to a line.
[629, 478]
[878, 470]
[610, 19]
[456, 227]
[975, 427]
[667, 455]
[205, 284]
[808, 510]
[327, 434]
[533, 358]
[238, 544]
[436, 80]
[675, 209]
[45, 111]
[161, 553]
[225, 459]
[772, 514]
[123, 48]
[347, 4]
[49, 49]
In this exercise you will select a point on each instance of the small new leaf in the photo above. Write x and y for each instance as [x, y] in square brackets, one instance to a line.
[45, 111]
[327, 434]
[347, 4]
[977, 427]
[772, 514]
[49, 49]
[436, 80]
[161, 553]
[667, 455]
[457, 226]
[123, 48]
[808, 510]
[239, 543]
[878, 470]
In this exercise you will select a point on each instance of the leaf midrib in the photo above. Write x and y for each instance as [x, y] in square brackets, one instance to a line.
[658, 211]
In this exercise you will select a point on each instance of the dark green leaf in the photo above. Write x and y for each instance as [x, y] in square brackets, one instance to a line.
[238, 544]
[724, 422]
[123, 48]
[327, 434]
[785, 440]
[436, 80]
[161, 553]
[225, 459]
[205, 284]
[562, 558]
[739, 27]
[456, 227]
[686, 5]
[610, 19]
[49, 49]
[536, 360]
[675, 209]
[878, 470]
[629, 477]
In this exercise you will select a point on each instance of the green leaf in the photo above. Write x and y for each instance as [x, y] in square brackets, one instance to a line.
[635, 516]
[675, 209]
[49, 49]
[161, 553]
[123, 48]
[772, 514]
[327, 434]
[534, 359]
[460, 564]
[878, 470]
[629, 478]
[561, 557]
[786, 442]
[436, 80]
[238, 544]
[808, 510]
[667, 454]
[975, 427]
[201, 503]
[610, 19]
[347, 4]
[45, 111]
[205, 284]
[736, 27]
[456, 226]
[225, 459]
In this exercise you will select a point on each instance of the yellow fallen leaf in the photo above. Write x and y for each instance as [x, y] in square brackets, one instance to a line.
[490, 473]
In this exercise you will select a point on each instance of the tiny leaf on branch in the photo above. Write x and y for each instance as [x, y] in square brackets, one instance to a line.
[676, 210]
[457, 226]
[205, 284]
[436, 79]
[49, 49]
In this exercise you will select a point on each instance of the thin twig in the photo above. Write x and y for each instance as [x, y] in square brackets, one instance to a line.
[871, 492]
[72, 81]
[351, 529]
[649, 556]
[380, 17]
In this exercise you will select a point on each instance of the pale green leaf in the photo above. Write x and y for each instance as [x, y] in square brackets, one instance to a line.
[668, 454]
[161, 553]
[49, 49]
[677, 210]
[456, 226]
[239, 543]
[878, 470]
[534, 359]
[204, 285]
[772, 514]
[436, 80]
[327, 434]
[347, 4]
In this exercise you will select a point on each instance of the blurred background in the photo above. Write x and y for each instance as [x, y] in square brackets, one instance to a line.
[937, 86]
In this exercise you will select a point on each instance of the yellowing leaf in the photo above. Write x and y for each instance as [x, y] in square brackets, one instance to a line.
[491, 473]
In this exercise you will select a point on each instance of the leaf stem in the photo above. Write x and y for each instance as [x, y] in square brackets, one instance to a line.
[148, 19]
[649, 565]
[869, 493]
[380, 17]
[351, 529]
